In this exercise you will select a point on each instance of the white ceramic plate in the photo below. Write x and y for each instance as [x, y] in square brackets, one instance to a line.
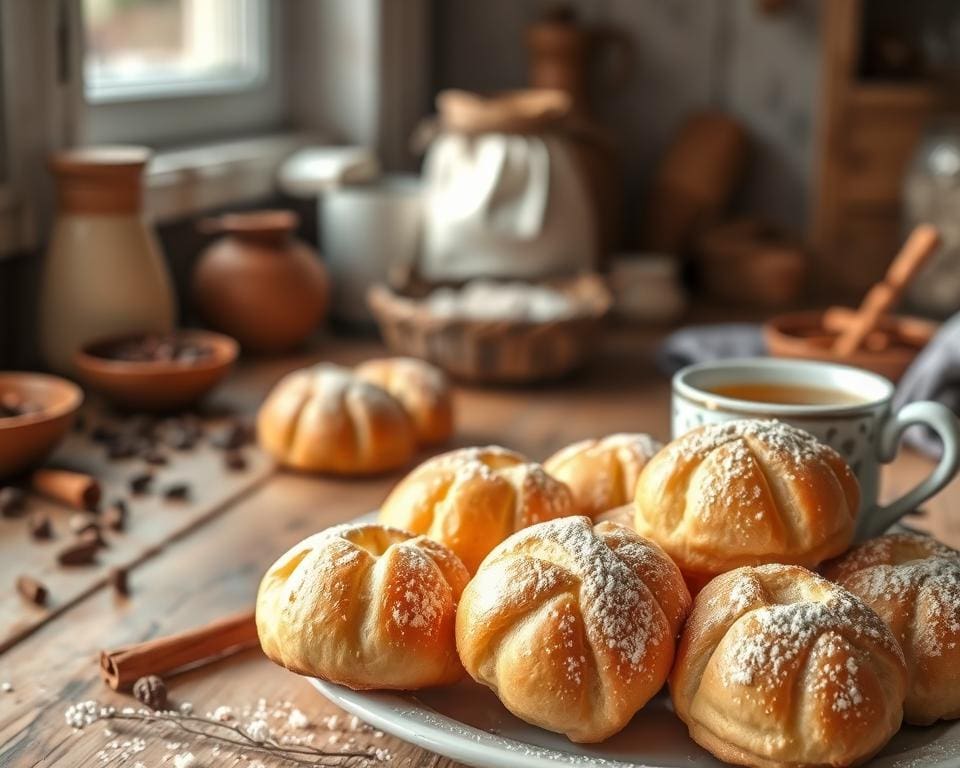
[466, 722]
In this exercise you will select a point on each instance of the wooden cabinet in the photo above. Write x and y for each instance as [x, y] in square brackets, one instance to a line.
[868, 133]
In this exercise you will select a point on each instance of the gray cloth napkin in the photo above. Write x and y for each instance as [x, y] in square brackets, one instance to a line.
[700, 343]
[934, 375]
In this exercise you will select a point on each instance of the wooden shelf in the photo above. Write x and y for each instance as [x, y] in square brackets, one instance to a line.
[893, 95]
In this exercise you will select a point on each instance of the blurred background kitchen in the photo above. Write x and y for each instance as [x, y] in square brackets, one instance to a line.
[647, 163]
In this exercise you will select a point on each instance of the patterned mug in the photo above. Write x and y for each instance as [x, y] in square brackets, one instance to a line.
[861, 425]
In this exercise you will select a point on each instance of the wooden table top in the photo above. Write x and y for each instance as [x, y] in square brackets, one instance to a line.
[191, 563]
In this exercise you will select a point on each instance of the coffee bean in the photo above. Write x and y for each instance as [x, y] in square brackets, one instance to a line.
[13, 501]
[119, 581]
[140, 482]
[82, 552]
[235, 436]
[177, 491]
[32, 590]
[151, 691]
[39, 525]
[114, 517]
[235, 461]
[154, 457]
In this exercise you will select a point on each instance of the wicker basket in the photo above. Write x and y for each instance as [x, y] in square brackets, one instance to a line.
[494, 351]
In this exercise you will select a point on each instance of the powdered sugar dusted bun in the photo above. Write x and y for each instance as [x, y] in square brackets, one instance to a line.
[325, 419]
[913, 583]
[745, 493]
[602, 472]
[620, 515]
[471, 499]
[573, 626]
[780, 667]
[421, 388]
[366, 606]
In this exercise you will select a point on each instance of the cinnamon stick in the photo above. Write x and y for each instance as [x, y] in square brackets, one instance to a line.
[122, 667]
[75, 489]
[880, 299]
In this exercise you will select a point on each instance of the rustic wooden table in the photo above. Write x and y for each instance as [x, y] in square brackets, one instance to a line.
[193, 562]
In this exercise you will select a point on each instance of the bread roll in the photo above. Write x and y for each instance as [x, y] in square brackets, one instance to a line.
[573, 626]
[421, 388]
[365, 606]
[745, 493]
[602, 473]
[473, 498]
[325, 419]
[779, 667]
[913, 583]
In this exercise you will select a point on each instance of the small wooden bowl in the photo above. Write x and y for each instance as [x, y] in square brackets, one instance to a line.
[27, 440]
[157, 385]
[802, 335]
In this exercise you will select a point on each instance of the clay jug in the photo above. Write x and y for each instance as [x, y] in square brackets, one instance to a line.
[260, 284]
[104, 273]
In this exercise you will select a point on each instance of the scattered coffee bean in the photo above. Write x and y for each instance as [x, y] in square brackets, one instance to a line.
[13, 501]
[155, 348]
[119, 581]
[182, 441]
[92, 534]
[235, 461]
[81, 552]
[154, 457]
[103, 433]
[115, 516]
[79, 521]
[140, 482]
[177, 491]
[32, 590]
[235, 436]
[14, 404]
[39, 525]
[121, 448]
[151, 691]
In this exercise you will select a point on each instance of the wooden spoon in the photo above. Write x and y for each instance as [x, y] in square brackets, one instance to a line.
[883, 296]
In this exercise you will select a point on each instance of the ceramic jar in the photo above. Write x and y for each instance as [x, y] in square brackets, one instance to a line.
[260, 284]
[104, 274]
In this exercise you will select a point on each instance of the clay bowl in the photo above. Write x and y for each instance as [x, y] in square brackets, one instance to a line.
[156, 385]
[801, 335]
[27, 440]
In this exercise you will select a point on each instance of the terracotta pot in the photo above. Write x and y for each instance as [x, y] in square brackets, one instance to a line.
[259, 283]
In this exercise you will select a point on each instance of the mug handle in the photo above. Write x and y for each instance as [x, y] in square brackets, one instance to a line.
[943, 421]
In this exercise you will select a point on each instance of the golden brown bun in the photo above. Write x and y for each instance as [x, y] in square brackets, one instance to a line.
[471, 499]
[573, 626]
[619, 515]
[778, 667]
[913, 583]
[745, 493]
[365, 606]
[602, 473]
[325, 419]
[421, 388]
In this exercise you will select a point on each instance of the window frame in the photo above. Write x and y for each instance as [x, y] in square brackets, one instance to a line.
[179, 114]
[257, 46]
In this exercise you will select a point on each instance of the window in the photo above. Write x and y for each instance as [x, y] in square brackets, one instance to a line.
[137, 49]
[172, 72]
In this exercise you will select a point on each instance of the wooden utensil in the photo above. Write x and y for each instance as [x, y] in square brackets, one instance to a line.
[883, 296]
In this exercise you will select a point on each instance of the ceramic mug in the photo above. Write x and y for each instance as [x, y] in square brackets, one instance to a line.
[864, 430]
